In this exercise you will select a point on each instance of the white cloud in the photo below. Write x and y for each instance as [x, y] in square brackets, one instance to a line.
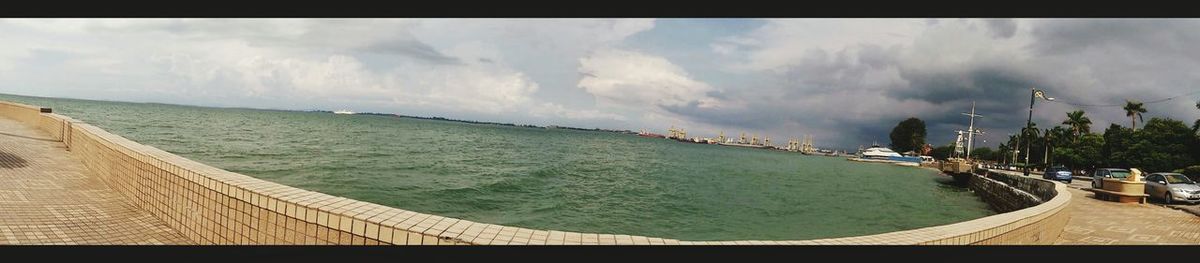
[782, 42]
[631, 79]
[387, 64]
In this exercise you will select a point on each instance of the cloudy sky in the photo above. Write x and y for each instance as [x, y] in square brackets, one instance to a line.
[845, 81]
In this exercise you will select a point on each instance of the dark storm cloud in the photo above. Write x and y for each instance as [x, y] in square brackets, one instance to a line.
[821, 72]
[1084, 61]
[982, 82]
[1144, 36]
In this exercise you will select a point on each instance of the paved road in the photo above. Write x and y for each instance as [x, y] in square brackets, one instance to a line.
[47, 196]
[1085, 182]
[1097, 222]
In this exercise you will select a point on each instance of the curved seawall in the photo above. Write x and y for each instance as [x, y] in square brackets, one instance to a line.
[212, 206]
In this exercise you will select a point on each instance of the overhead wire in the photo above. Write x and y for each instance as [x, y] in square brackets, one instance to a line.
[1122, 104]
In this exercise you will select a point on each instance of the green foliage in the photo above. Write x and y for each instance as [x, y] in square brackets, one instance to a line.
[1083, 154]
[1192, 172]
[942, 152]
[908, 135]
[1162, 145]
[1078, 123]
[983, 153]
[1117, 141]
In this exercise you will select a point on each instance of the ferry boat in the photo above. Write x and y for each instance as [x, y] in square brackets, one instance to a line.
[343, 112]
[879, 152]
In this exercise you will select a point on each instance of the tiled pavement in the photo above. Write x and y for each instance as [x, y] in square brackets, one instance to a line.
[47, 196]
[1097, 222]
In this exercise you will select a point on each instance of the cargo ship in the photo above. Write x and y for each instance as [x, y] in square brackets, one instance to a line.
[643, 133]
[745, 145]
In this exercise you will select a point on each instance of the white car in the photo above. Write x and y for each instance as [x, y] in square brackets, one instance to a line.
[1100, 174]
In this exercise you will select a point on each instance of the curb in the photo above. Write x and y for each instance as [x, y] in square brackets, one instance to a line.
[1193, 210]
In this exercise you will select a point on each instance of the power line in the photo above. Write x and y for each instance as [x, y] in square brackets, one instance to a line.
[1122, 104]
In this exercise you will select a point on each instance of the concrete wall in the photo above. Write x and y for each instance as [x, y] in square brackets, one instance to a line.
[213, 206]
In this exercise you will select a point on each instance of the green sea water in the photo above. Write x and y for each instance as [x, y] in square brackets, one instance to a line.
[552, 179]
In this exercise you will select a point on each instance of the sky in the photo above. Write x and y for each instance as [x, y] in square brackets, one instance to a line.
[846, 82]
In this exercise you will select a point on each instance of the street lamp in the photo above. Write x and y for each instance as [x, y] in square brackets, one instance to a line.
[1029, 123]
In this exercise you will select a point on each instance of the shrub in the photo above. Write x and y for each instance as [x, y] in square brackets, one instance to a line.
[1192, 172]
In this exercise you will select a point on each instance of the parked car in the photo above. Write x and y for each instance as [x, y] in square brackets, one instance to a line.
[1059, 172]
[1100, 174]
[1172, 187]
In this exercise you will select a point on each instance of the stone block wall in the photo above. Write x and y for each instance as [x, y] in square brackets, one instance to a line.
[1002, 196]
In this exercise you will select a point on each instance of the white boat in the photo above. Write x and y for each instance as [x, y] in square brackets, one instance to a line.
[343, 112]
[878, 152]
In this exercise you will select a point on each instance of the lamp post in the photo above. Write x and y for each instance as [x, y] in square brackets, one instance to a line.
[1029, 124]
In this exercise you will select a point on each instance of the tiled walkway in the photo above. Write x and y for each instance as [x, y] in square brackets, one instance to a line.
[1097, 222]
[47, 196]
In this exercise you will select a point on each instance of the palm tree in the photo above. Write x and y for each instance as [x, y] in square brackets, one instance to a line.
[1003, 152]
[1134, 110]
[1079, 123]
[1014, 147]
[1033, 131]
[1060, 136]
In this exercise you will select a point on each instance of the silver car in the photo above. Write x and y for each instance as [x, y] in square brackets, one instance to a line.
[1100, 174]
[1172, 187]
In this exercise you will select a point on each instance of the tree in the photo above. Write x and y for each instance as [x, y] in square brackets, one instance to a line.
[1134, 110]
[1014, 148]
[1079, 124]
[1117, 140]
[942, 152]
[1060, 137]
[908, 135]
[1028, 148]
[983, 153]
[1196, 125]
[1083, 154]
[1163, 145]
[1001, 152]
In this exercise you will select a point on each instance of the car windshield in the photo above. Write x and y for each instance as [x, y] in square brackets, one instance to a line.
[1177, 179]
[1119, 174]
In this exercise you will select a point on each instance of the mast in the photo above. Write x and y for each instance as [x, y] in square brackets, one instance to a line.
[971, 130]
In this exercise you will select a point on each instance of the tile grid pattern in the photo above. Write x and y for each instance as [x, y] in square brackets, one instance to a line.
[47, 197]
[1098, 222]
[208, 205]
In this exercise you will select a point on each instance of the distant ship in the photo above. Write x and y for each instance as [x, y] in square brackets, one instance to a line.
[745, 145]
[343, 112]
[643, 133]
